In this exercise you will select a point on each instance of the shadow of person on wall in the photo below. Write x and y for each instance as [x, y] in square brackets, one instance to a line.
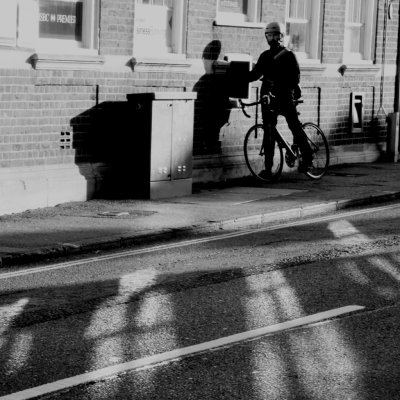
[212, 107]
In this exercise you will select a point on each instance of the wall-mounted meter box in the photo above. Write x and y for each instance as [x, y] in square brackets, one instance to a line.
[356, 112]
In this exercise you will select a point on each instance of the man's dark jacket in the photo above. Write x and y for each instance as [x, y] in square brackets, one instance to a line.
[279, 70]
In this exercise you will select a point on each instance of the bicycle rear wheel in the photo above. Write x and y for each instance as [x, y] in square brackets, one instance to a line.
[255, 155]
[320, 150]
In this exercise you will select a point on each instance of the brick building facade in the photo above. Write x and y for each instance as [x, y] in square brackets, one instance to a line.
[66, 68]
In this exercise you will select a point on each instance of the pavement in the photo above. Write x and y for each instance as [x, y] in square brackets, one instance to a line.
[96, 225]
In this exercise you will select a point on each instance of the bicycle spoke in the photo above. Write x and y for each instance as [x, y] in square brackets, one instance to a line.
[320, 149]
[255, 155]
[264, 158]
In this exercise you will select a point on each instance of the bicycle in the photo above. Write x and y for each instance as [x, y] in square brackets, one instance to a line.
[254, 147]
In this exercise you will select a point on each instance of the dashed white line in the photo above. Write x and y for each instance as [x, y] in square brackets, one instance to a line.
[93, 376]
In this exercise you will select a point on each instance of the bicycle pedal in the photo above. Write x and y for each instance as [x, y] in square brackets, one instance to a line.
[305, 167]
[290, 161]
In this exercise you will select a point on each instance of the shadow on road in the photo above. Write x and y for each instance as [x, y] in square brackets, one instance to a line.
[54, 332]
[57, 330]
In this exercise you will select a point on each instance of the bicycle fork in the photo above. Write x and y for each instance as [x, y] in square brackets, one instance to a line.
[292, 151]
[262, 151]
[292, 154]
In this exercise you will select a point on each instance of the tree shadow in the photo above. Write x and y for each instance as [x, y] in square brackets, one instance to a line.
[54, 332]
[40, 340]
[343, 354]
[212, 107]
[358, 355]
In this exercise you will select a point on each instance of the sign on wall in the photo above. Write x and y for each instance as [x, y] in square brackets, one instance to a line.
[60, 19]
[153, 27]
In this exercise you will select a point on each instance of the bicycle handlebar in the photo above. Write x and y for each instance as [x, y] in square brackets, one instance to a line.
[243, 106]
[266, 99]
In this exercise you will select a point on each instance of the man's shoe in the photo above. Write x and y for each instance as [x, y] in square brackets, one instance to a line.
[265, 174]
[305, 167]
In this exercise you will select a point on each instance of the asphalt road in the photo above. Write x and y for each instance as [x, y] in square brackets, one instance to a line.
[64, 320]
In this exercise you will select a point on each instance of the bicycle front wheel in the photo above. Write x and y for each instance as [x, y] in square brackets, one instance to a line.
[254, 153]
[320, 150]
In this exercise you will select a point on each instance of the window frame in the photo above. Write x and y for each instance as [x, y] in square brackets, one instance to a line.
[367, 35]
[178, 34]
[314, 18]
[253, 17]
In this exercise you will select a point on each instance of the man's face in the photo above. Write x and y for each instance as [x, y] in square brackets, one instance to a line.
[274, 39]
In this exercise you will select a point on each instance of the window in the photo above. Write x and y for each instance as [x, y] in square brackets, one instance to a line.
[70, 23]
[303, 27]
[8, 21]
[49, 25]
[359, 30]
[239, 12]
[159, 28]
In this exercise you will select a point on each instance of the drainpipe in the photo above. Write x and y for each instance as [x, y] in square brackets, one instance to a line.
[396, 105]
[392, 140]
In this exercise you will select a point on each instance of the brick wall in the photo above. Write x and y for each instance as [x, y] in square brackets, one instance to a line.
[116, 27]
[334, 17]
[51, 117]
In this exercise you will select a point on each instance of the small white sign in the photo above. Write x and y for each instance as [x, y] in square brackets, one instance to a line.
[153, 28]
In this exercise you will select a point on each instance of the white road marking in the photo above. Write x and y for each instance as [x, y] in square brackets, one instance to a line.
[245, 202]
[51, 267]
[177, 354]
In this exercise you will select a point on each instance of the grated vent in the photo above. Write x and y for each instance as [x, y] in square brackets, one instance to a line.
[66, 141]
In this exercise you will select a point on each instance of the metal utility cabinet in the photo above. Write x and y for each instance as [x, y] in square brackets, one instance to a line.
[163, 141]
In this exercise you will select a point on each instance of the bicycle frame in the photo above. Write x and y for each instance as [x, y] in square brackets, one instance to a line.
[278, 136]
[271, 136]
[283, 143]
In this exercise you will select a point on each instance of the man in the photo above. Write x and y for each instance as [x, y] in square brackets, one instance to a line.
[280, 74]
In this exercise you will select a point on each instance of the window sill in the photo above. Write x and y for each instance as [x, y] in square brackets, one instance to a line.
[221, 66]
[367, 66]
[311, 65]
[239, 24]
[40, 61]
[146, 64]
[356, 60]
